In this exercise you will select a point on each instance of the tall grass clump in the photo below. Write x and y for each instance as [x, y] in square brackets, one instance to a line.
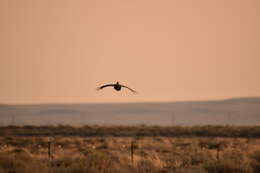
[20, 162]
[230, 162]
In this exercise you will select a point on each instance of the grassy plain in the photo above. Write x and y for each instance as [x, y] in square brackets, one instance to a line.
[140, 149]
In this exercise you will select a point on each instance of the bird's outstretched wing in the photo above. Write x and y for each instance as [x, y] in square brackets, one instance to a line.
[103, 86]
[129, 89]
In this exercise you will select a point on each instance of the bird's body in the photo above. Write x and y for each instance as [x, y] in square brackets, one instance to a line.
[116, 86]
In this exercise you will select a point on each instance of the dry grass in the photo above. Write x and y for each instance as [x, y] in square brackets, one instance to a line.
[108, 154]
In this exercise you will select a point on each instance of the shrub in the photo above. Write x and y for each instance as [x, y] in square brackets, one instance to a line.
[227, 166]
[21, 163]
[96, 162]
[256, 156]
[145, 166]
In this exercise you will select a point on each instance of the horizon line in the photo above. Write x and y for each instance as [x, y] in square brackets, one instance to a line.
[133, 102]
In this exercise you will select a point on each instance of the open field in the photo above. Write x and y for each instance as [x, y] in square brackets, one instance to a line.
[69, 152]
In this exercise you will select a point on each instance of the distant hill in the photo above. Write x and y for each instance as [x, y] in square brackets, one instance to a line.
[237, 111]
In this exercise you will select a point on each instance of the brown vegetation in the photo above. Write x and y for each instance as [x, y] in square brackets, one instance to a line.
[126, 154]
[125, 131]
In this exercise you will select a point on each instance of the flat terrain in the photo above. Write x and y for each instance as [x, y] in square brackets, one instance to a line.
[237, 111]
[110, 154]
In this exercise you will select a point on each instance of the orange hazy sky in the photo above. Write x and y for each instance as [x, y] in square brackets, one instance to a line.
[168, 50]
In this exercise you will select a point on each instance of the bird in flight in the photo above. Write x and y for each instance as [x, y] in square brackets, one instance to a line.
[116, 86]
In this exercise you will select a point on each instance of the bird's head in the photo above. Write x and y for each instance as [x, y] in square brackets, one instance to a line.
[117, 83]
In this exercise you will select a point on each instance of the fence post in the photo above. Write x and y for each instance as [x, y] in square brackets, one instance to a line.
[132, 151]
[50, 148]
[218, 150]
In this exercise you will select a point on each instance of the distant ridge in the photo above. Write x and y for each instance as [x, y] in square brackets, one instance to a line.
[233, 111]
[232, 99]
